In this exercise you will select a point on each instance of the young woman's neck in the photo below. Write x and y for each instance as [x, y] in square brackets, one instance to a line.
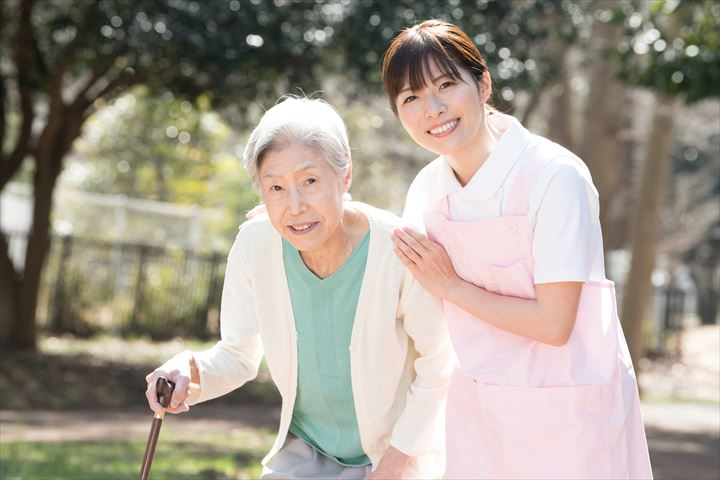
[466, 161]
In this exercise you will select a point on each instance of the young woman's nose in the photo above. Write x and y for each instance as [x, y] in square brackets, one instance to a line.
[434, 106]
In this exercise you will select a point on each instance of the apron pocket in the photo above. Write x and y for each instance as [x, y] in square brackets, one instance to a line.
[548, 432]
[513, 280]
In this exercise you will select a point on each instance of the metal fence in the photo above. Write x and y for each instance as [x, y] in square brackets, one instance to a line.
[92, 286]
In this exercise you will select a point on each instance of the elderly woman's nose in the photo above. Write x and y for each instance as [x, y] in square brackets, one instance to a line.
[297, 200]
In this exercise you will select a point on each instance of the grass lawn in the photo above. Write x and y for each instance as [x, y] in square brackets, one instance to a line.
[236, 455]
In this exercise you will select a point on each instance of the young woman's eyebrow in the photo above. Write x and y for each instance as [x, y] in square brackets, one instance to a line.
[441, 76]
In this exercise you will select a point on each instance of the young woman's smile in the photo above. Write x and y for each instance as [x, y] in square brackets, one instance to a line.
[445, 129]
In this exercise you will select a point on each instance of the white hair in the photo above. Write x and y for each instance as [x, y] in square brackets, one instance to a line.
[313, 123]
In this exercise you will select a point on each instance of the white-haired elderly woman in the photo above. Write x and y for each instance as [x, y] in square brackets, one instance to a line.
[357, 348]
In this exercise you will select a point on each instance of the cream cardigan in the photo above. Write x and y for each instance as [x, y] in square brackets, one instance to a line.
[400, 352]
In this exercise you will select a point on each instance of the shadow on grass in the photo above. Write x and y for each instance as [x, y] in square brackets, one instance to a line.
[31, 380]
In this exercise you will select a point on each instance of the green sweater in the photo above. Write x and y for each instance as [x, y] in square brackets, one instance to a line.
[324, 310]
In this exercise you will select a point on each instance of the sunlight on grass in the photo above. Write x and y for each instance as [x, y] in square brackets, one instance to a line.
[134, 351]
[236, 455]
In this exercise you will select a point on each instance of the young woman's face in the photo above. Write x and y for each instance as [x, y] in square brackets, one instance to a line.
[303, 196]
[446, 114]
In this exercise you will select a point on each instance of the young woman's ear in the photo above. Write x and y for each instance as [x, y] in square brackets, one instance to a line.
[485, 86]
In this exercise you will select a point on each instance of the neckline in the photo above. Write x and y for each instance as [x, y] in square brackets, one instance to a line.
[335, 278]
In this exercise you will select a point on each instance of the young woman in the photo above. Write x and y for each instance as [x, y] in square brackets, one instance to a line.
[545, 387]
[357, 348]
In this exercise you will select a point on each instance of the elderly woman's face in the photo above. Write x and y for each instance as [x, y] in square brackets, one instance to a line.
[303, 196]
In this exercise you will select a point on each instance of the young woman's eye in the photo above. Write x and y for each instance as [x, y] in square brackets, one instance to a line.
[409, 99]
[445, 85]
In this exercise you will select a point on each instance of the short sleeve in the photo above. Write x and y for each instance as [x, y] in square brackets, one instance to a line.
[564, 207]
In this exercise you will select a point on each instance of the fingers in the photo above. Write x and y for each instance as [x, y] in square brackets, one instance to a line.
[181, 392]
[409, 252]
[423, 240]
[181, 408]
[151, 396]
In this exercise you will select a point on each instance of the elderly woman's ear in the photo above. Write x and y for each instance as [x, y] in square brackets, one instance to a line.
[347, 180]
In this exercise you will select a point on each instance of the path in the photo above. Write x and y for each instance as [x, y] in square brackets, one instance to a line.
[684, 438]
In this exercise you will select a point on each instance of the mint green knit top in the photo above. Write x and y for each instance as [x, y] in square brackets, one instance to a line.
[324, 310]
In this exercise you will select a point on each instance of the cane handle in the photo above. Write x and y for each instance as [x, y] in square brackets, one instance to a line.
[164, 389]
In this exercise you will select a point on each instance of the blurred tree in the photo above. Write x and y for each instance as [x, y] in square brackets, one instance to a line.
[513, 36]
[63, 60]
[674, 49]
[161, 148]
[602, 119]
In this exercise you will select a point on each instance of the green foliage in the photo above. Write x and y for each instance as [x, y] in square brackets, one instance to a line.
[161, 148]
[513, 36]
[673, 47]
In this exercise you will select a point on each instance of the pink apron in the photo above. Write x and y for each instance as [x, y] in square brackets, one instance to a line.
[518, 408]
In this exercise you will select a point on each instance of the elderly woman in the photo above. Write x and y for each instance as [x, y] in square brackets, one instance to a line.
[357, 348]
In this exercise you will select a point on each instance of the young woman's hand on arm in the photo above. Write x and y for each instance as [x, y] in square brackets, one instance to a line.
[549, 318]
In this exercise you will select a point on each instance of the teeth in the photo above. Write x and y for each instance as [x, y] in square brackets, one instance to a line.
[444, 128]
[301, 228]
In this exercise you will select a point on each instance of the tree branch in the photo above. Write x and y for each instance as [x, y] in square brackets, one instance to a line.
[100, 70]
[124, 81]
[69, 53]
[23, 57]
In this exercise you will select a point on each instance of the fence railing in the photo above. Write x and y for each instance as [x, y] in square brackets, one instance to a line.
[93, 286]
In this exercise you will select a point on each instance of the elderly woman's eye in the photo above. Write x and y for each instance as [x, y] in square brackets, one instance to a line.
[275, 188]
[311, 180]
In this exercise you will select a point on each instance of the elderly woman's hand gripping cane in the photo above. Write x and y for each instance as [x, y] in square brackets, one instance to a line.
[169, 386]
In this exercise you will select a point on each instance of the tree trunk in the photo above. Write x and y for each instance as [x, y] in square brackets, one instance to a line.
[600, 146]
[23, 334]
[9, 292]
[561, 113]
[63, 125]
[656, 169]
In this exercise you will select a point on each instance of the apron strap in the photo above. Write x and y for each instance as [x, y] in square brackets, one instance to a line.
[518, 202]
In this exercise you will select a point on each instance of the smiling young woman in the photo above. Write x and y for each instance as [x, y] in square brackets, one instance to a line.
[512, 244]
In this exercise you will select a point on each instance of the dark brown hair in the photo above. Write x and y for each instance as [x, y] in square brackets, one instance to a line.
[412, 50]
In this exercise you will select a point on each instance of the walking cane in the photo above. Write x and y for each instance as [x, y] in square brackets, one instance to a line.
[164, 391]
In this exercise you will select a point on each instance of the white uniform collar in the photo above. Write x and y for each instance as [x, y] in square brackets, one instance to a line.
[492, 174]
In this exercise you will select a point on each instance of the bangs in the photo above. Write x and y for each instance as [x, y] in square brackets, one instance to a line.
[410, 62]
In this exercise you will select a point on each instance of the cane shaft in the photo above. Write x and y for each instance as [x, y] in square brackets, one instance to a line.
[150, 448]
[164, 391]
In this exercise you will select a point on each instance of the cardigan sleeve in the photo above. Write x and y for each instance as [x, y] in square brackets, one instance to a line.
[421, 426]
[235, 359]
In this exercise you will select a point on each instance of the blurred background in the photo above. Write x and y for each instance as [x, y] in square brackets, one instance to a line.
[121, 189]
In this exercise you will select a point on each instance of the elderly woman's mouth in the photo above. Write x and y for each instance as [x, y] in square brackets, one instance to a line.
[302, 228]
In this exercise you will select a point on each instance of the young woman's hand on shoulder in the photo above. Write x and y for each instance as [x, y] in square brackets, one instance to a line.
[427, 261]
